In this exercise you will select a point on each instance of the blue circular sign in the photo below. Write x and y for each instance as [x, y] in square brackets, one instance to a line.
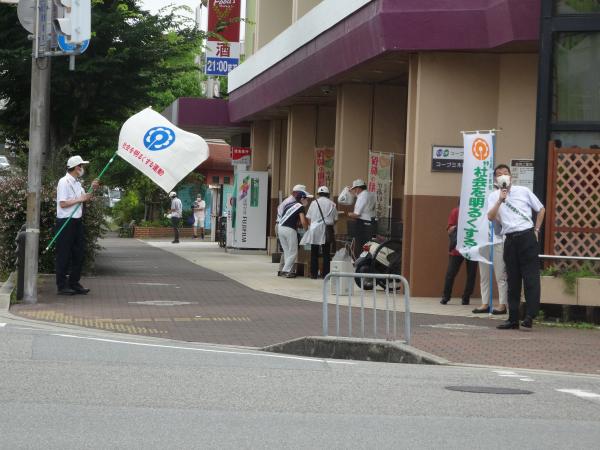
[159, 138]
[71, 48]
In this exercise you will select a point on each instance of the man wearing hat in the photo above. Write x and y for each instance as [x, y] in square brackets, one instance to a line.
[289, 213]
[70, 244]
[176, 212]
[322, 215]
[364, 214]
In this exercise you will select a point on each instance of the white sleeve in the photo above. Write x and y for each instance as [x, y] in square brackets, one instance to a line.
[62, 191]
[360, 204]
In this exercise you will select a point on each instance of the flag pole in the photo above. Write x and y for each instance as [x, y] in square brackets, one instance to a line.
[49, 246]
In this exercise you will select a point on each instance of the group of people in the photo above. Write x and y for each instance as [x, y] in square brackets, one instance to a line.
[510, 209]
[317, 223]
[176, 212]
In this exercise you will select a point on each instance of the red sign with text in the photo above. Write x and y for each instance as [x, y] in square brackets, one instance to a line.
[224, 19]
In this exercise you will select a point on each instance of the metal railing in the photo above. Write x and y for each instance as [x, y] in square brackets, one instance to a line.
[571, 258]
[389, 288]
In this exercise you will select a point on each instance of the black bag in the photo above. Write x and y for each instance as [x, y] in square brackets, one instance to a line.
[453, 239]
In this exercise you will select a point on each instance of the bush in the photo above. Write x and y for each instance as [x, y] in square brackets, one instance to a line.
[13, 207]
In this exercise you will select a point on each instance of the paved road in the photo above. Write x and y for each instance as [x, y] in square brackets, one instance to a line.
[97, 390]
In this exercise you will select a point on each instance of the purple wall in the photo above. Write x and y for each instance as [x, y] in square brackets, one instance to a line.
[389, 25]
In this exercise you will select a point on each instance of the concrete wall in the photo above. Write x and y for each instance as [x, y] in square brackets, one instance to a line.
[449, 93]
[301, 7]
[272, 17]
[300, 164]
[259, 142]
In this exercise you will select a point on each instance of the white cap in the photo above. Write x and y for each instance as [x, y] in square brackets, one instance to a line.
[172, 194]
[323, 190]
[74, 161]
[358, 183]
[301, 188]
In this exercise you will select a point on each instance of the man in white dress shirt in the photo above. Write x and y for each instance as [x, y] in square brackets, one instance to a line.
[199, 208]
[322, 212]
[512, 207]
[364, 215]
[70, 244]
[176, 213]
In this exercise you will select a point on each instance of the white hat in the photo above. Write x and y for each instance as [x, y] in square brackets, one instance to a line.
[323, 190]
[358, 183]
[301, 188]
[74, 161]
[172, 194]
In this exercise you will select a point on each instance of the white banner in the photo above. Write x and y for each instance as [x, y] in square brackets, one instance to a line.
[160, 150]
[249, 217]
[473, 237]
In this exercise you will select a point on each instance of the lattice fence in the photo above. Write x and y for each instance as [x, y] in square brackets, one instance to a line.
[573, 210]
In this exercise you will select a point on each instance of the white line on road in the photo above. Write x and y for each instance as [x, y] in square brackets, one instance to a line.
[511, 374]
[580, 393]
[265, 355]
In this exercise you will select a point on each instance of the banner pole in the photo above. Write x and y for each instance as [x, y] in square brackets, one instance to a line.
[492, 233]
[49, 246]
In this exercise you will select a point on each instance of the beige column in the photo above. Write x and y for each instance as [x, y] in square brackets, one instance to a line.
[301, 7]
[277, 150]
[272, 17]
[259, 142]
[353, 134]
[300, 163]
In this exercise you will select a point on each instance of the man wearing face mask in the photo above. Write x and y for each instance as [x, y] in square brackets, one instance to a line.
[512, 206]
[70, 245]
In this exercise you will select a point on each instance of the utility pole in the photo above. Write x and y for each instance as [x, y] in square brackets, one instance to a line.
[39, 137]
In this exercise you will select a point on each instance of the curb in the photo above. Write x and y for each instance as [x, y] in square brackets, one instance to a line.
[6, 292]
[356, 349]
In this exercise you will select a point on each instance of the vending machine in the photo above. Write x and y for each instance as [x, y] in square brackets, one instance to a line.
[249, 212]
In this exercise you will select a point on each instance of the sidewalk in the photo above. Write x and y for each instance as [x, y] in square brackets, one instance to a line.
[142, 289]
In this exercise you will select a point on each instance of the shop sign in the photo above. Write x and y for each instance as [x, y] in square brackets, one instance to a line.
[381, 180]
[522, 172]
[241, 155]
[447, 158]
[324, 167]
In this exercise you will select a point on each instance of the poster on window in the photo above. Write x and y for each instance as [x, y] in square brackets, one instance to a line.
[380, 182]
[324, 167]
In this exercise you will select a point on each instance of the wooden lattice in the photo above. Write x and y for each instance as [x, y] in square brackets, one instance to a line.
[573, 202]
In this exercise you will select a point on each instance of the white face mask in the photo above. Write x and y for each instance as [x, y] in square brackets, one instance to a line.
[503, 180]
[81, 172]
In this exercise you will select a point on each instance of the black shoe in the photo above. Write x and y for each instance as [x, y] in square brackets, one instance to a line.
[65, 291]
[281, 274]
[175, 242]
[483, 310]
[527, 323]
[314, 277]
[79, 289]
[290, 275]
[444, 301]
[496, 312]
[508, 325]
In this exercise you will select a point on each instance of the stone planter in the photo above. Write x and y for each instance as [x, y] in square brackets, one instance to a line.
[553, 292]
[588, 291]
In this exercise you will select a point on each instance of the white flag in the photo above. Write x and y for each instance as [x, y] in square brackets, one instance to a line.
[160, 150]
[473, 236]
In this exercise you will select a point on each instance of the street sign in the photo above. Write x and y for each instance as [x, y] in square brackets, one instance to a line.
[241, 155]
[221, 57]
[67, 47]
[26, 14]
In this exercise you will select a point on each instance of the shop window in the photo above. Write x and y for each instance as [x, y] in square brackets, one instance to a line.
[215, 180]
[226, 180]
[576, 6]
[577, 139]
[576, 77]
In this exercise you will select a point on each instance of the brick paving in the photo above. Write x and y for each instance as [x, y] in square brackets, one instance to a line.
[139, 289]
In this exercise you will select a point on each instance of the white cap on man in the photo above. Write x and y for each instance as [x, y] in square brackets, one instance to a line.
[358, 183]
[302, 189]
[172, 194]
[323, 190]
[75, 161]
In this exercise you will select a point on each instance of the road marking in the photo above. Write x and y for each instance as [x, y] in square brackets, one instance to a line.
[206, 350]
[154, 284]
[579, 393]
[163, 303]
[511, 374]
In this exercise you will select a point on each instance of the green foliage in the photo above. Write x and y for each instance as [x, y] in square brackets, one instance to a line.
[12, 216]
[570, 275]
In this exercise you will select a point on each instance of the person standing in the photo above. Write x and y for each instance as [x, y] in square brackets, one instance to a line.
[176, 212]
[364, 214]
[70, 244]
[199, 208]
[513, 207]
[289, 213]
[322, 215]
[455, 259]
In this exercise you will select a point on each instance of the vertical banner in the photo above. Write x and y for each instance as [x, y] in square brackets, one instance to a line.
[223, 46]
[381, 180]
[473, 236]
[324, 167]
[250, 214]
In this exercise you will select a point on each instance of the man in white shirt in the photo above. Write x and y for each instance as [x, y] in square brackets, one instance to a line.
[322, 214]
[70, 244]
[364, 215]
[512, 207]
[199, 208]
[176, 212]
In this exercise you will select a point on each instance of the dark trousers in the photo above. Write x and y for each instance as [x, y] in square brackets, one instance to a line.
[454, 263]
[314, 259]
[175, 224]
[362, 231]
[522, 268]
[70, 247]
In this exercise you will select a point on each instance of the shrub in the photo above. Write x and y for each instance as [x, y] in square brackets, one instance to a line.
[13, 207]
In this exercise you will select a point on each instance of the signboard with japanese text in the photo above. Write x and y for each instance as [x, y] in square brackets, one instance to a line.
[223, 45]
[380, 182]
[522, 172]
[249, 216]
[473, 234]
[447, 159]
[241, 156]
[221, 57]
[160, 150]
[324, 167]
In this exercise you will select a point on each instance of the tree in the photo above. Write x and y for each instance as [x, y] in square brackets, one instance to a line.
[135, 59]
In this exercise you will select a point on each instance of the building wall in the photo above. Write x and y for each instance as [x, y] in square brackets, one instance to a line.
[451, 92]
[301, 7]
[271, 18]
